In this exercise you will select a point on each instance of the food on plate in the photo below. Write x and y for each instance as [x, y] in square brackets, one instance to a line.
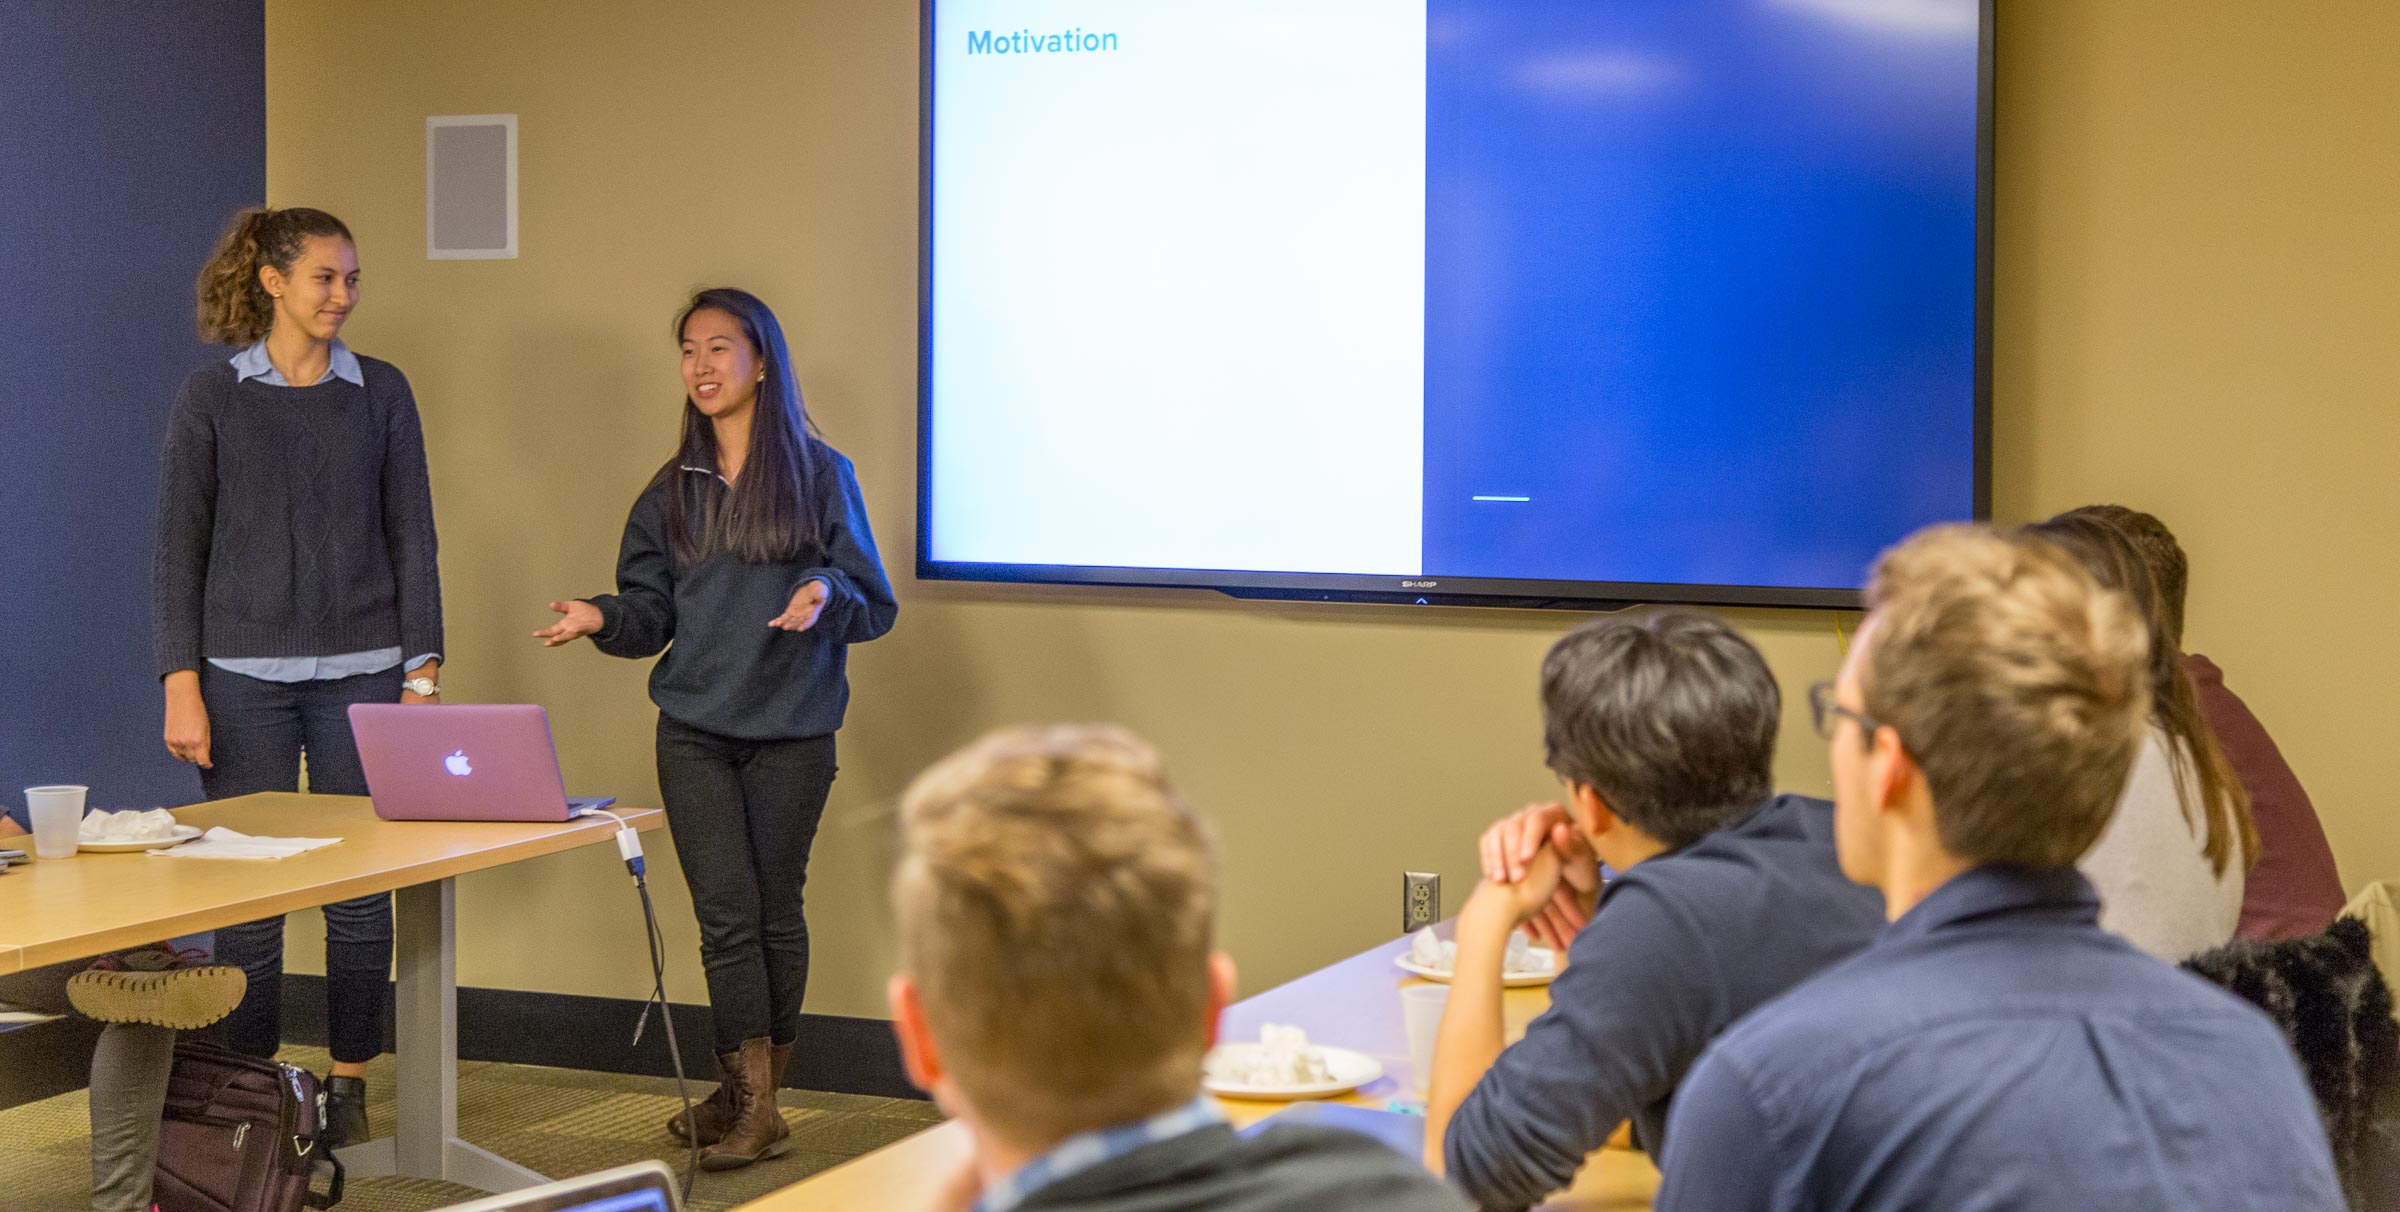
[109, 828]
[1441, 955]
[1283, 1057]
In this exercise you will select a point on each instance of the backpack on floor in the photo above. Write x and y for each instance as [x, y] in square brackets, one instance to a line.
[241, 1135]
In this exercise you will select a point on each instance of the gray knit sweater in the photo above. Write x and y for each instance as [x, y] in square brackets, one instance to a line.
[294, 521]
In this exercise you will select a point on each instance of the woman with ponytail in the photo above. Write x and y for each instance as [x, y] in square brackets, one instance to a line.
[295, 576]
[2171, 866]
[749, 562]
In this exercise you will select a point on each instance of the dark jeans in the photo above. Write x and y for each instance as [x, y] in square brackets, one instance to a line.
[743, 815]
[258, 733]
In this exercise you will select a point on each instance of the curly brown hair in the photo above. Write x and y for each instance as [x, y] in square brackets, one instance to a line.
[235, 308]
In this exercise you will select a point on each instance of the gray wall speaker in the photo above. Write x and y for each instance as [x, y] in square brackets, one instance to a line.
[471, 187]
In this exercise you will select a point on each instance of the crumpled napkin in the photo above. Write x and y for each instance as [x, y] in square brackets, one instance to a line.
[103, 826]
[1441, 954]
[223, 843]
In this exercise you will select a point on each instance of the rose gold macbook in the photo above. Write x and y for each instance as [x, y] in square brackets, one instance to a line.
[426, 762]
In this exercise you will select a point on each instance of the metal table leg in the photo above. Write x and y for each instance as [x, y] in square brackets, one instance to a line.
[424, 1142]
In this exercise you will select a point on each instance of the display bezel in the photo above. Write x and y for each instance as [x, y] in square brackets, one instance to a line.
[1431, 590]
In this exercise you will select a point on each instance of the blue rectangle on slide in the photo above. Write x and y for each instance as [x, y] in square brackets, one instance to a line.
[1699, 285]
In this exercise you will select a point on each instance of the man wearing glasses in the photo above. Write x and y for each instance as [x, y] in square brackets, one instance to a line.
[1994, 1048]
[1662, 727]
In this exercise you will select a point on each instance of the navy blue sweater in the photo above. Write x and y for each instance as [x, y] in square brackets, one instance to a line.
[726, 671]
[294, 521]
[1682, 945]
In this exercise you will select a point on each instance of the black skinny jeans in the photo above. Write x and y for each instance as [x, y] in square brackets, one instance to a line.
[258, 733]
[743, 815]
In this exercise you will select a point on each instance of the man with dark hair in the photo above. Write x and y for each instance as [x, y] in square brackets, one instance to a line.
[1662, 725]
[2294, 890]
[1994, 1048]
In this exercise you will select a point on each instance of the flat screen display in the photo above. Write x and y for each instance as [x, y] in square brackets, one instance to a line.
[1522, 301]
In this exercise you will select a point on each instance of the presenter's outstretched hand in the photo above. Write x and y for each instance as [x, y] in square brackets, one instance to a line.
[807, 603]
[582, 619]
[187, 719]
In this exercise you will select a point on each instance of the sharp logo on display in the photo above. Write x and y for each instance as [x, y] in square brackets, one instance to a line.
[457, 763]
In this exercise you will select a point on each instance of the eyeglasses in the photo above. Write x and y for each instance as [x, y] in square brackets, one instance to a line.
[1824, 711]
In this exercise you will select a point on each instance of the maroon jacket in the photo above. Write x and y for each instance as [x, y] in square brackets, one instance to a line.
[2295, 889]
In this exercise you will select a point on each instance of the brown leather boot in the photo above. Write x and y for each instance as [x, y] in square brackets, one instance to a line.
[758, 1129]
[716, 1112]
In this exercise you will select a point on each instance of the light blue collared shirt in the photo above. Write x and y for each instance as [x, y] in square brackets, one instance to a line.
[253, 363]
[1082, 1152]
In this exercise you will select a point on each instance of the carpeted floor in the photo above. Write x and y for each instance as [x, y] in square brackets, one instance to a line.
[557, 1121]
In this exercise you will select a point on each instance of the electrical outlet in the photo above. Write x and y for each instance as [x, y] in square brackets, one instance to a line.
[1420, 900]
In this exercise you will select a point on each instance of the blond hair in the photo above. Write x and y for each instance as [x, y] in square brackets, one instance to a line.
[235, 308]
[2017, 684]
[1056, 900]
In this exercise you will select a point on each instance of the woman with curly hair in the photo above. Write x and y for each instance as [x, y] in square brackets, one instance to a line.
[295, 576]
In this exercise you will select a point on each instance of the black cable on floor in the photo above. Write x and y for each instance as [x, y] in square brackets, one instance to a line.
[666, 1015]
[629, 848]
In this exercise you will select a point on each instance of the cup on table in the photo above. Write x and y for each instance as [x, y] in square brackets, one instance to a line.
[1421, 1012]
[57, 814]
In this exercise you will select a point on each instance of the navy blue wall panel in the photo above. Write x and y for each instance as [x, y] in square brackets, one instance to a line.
[129, 132]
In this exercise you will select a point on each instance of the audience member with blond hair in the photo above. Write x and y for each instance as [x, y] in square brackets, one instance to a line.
[1059, 985]
[2171, 865]
[1994, 1048]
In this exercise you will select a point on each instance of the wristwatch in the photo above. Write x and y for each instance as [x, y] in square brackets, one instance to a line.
[424, 688]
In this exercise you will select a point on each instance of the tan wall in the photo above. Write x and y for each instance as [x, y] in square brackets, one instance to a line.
[2199, 295]
[2192, 223]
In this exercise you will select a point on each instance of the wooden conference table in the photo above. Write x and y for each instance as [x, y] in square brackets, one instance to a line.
[1353, 1004]
[56, 910]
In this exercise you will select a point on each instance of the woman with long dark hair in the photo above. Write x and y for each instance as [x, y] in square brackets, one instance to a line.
[295, 576]
[749, 562]
[2171, 866]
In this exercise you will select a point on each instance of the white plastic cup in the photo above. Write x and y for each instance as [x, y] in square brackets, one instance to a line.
[1421, 1009]
[57, 814]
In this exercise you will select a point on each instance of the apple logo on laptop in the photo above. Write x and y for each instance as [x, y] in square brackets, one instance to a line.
[458, 764]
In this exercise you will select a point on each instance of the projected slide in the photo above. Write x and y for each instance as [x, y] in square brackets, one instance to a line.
[1557, 291]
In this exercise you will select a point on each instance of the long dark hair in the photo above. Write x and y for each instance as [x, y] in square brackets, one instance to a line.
[770, 516]
[2110, 556]
[235, 308]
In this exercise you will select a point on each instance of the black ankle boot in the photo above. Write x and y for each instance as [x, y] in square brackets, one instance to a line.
[345, 1111]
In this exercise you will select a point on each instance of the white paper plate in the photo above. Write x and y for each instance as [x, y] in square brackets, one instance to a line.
[1350, 1071]
[1511, 980]
[183, 833]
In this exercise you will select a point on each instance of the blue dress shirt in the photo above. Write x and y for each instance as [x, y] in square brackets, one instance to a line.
[1995, 1049]
[253, 363]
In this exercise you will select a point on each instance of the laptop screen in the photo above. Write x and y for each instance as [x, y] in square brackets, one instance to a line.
[635, 1201]
[642, 1187]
